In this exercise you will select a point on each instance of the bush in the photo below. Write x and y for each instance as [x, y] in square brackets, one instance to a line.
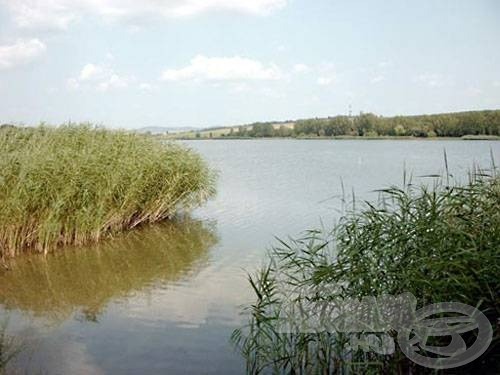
[431, 134]
[399, 130]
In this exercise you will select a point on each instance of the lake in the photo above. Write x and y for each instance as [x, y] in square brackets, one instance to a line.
[165, 298]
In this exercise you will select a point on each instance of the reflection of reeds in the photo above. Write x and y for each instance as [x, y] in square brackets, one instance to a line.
[440, 244]
[87, 278]
[8, 348]
[77, 184]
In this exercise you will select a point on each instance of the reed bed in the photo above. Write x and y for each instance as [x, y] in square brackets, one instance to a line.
[76, 184]
[440, 243]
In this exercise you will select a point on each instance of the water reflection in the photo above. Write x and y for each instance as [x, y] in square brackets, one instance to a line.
[85, 280]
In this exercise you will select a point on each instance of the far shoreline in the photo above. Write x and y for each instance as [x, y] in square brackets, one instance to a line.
[342, 138]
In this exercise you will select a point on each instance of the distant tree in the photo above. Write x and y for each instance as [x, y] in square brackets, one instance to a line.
[262, 130]
[241, 132]
[368, 124]
[284, 131]
[431, 134]
[399, 130]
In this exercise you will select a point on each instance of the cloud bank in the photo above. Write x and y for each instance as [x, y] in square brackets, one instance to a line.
[20, 53]
[59, 14]
[202, 68]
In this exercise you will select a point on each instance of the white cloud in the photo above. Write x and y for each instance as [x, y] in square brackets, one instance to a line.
[60, 13]
[326, 81]
[91, 72]
[100, 77]
[114, 82]
[110, 56]
[146, 87]
[202, 68]
[272, 93]
[21, 52]
[301, 68]
[431, 80]
[192, 7]
[377, 79]
[73, 83]
[384, 64]
[241, 87]
[327, 74]
[42, 14]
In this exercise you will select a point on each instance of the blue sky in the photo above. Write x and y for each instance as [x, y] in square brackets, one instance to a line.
[126, 63]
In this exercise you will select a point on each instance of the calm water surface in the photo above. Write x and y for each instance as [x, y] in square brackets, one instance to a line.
[165, 299]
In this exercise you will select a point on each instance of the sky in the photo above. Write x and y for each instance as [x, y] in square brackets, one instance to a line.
[175, 63]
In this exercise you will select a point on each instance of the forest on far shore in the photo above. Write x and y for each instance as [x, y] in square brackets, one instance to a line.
[458, 124]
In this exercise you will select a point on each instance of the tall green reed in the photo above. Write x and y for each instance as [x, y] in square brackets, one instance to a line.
[440, 243]
[77, 184]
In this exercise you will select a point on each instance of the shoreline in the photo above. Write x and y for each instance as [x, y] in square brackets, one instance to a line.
[341, 138]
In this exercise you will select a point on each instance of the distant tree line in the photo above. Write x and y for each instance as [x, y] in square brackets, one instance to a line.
[486, 123]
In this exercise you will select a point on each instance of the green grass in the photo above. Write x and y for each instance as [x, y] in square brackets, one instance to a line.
[440, 243]
[78, 184]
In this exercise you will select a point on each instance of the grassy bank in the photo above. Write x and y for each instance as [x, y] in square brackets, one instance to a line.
[441, 244]
[77, 184]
